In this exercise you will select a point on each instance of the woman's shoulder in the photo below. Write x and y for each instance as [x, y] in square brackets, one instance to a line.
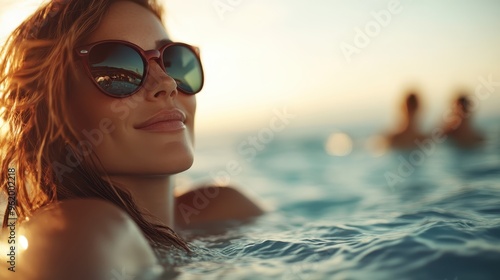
[213, 204]
[78, 208]
[78, 239]
[75, 218]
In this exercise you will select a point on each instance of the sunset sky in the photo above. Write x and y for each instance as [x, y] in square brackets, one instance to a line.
[263, 55]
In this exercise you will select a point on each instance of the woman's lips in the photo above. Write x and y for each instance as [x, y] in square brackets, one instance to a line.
[165, 126]
[164, 121]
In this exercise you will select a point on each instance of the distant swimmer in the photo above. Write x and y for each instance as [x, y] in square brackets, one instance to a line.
[408, 133]
[459, 128]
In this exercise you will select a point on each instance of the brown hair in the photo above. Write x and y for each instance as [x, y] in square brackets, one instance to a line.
[35, 136]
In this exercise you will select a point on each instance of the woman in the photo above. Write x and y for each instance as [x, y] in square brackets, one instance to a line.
[100, 107]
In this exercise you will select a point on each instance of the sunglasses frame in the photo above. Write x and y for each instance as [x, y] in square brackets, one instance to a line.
[156, 54]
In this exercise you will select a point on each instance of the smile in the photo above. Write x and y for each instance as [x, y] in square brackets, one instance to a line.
[164, 121]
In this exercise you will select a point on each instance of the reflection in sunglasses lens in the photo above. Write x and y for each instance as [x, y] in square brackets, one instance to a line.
[117, 69]
[182, 64]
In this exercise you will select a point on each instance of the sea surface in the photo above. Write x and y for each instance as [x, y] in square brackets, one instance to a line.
[351, 213]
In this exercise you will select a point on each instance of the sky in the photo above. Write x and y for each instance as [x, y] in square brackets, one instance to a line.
[267, 54]
[329, 61]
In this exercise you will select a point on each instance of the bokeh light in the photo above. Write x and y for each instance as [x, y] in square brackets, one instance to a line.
[339, 144]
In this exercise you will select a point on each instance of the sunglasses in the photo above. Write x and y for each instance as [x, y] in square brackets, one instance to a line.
[120, 68]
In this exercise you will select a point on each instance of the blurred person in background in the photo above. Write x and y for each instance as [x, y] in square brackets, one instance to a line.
[408, 131]
[458, 127]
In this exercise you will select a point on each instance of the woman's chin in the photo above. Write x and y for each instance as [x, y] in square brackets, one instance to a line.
[168, 166]
[172, 167]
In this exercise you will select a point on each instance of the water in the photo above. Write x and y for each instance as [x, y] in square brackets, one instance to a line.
[340, 218]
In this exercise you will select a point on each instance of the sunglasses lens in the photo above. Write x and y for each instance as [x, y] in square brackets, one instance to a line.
[183, 65]
[116, 68]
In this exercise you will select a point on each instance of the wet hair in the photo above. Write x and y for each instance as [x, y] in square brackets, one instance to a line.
[35, 67]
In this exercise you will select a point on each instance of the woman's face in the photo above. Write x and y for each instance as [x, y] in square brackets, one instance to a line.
[115, 127]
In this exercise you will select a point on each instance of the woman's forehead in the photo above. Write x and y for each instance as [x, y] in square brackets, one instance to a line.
[128, 21]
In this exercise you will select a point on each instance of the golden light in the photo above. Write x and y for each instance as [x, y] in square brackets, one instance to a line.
[15, 12]
[4, 246]
[339, 144]
[23, 241]
[12, 14]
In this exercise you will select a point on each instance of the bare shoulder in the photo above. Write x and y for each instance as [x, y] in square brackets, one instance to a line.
[212, 204]
[78, 239]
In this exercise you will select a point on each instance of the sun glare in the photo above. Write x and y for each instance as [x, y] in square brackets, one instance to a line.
[23, 241]
[13, 13]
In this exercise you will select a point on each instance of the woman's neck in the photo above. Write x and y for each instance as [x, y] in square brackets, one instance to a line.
[153, 194]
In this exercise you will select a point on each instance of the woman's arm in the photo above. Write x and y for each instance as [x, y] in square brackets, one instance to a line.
[80, 239]
[213, 204]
